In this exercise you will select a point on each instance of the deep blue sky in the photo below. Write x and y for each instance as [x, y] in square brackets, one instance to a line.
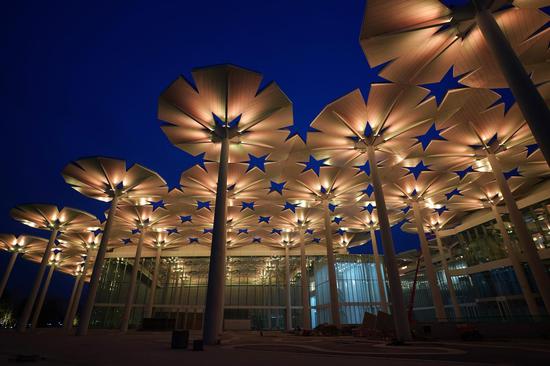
[82, 78]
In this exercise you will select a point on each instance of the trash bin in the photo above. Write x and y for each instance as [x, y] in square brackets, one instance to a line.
[180, 339]
[197, 345]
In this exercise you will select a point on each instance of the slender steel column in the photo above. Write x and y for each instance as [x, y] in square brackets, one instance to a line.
[213, 313]
[96, 274]
[288, 299]
[304, 281]
[151, 299]
[331, 267]
[381, 283]
[7, 272]
[530, 102]
[180, 298]
[132, 288]
[76, 302]
[41, 298]
[516, 264]
[428, 264]
[167, 284]
[399, 314]
[452, 293]
[71, 301]
[524, 237]
[26, 314]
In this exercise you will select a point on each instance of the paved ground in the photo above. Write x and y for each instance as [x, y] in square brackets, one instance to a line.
[54, 347]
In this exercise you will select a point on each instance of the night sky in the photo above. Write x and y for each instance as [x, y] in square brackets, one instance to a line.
[82, 79]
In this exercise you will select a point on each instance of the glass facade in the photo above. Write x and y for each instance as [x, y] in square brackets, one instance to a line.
[486, 294]
[255, 290]
[255, 286]
[357, 289]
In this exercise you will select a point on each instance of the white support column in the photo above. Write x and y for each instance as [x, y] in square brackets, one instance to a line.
[452, 293]
[379, 276]
[331, 268]
[428, 264]
[151, 299]
[26, 314]
[132, 289]
[304, 282]
[399, 313]
[98, 267]
[81, 281]
[287, 290]
[516, 264]
[524, 237]
[42, 297]
[213, 312]
[7, 272]
[70, 304]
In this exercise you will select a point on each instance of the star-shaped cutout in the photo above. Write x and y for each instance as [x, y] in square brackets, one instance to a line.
[186, 219]
[316, 240]
[440, 89]
[256, 240]
[242, 231]
[276, 231]
[245, 205]
[418, 169]
[454, 192]
[193, 240]
[512, 173]
[337, 220]
[220, 122]
[368, 191]
[299, 130]
[309, 231]
[257, 162]
[506, 98]
[531, 149]
[341, 231]
[264, 219]
[332, 207]
[462, 173]
[157, 204]
[290, 206]
[368, 208]
[200, 160]
[433, 134]
[440, 210]
[365, 168]
[277, 187]
[373, 73]
[314, 165]
[203, 204]
[207, 231]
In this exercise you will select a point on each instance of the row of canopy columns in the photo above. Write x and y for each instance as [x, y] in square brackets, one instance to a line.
[512, 253]
[31, 300]
[525, 241]
[42, 285]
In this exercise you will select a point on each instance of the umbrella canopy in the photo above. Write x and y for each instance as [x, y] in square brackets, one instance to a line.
[22, 243]
[101, 178]
[226, 101]
[50, 217]
[422, 41]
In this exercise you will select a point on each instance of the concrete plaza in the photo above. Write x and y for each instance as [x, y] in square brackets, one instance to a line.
[54, 347]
